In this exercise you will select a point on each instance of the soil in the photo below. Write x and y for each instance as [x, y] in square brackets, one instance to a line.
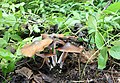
[70, 72]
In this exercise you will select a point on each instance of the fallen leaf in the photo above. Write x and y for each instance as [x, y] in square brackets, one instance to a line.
[85, 56]
[38, 78]
[42, 78]
[30, 49]
[25, 71]
[46, 78]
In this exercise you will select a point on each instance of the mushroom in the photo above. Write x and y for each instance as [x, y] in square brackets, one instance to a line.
[46, 57]
[68, 47]
[30, 49]
[55, 42]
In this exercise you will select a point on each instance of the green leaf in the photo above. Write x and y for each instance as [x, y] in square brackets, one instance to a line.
[67, 33]
[92, 24]
[0, 14]
[102, 59]
[7, 66]
[9, 19]
[76, 14]
[71, 22]
[16, 37]
[11, 66]
[5, 5]
[3, 43]
[116, 42]
[22, 9]
[99, 40]
[6, 36]
[113, 7]
[6, 54]
[115, 52]
[35, 28]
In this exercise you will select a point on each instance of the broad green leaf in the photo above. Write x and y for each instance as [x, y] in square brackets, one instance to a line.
[18, 52]
[22, 9]
[76, 14]
[6, 54]
[0, 14]
[99, 41]
[113, 7]
[67, 33]
[71, 22]
[7, 66]
[15, 37]
[3, 43]
[9, 19]
[11, 66]
[115, 52]
[6, 36]
[108, 19]
[35, 28]
[102, 59]
[2, 28]
[5, 5]
[116, 43]
[20, 4]
[92, 24]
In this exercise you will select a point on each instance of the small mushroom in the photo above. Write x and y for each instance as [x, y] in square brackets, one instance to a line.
[68, 47]
[46, 57]
[55, 43]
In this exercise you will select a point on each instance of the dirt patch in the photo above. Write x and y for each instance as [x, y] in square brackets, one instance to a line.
[69, 73]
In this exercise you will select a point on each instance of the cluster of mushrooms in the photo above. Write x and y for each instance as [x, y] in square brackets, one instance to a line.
[51, 42]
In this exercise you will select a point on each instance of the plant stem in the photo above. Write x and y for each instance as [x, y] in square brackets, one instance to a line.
[109, 2]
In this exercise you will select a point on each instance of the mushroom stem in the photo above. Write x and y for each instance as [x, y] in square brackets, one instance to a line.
[55, 57]
[47, 61]
[62, 59]
[53, 60]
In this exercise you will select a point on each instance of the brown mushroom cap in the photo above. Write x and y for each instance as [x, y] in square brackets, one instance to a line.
[68, 47]
[45, 55]
[52, 35]
[58, 41]
[30, 49]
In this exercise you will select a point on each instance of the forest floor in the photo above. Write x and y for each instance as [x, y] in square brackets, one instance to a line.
[29, 71]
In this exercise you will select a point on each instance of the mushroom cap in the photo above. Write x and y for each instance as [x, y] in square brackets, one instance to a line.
[52, 35]
[45, 55]
[30, 49]
[58, 41]
[68, 47]
[44, 36]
